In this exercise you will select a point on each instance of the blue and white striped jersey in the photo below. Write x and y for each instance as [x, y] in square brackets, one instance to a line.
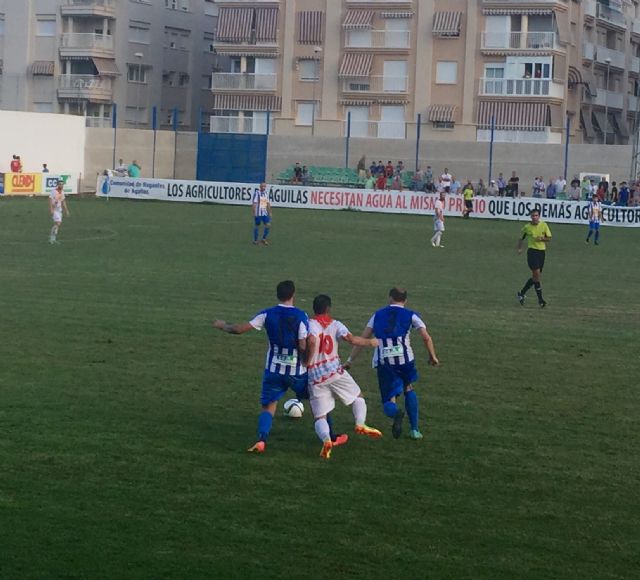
[392, 326]
[595, 212]
[260, 202]
[285, 325]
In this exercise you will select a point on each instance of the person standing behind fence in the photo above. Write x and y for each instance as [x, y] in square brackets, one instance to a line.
[362, 168]
[16, 164]
[514, 184]
[134, 170]
[502, 185]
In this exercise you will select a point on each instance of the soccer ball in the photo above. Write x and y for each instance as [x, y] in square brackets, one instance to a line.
[293, 408]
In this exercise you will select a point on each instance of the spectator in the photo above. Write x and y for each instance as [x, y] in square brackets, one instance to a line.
[370, 183]
[121, 170]
[446, 178]
[45, 169]
[388, 170]
[623, 195]
[305, 175]
[380, 170]
[538, 187]
[492, 190]
[480, 188]
[396, 184]
[561, 185]
[574, 190]
[16, 164]
[575, 182]
[551, 189]
[613, 198]
[456, 186]
[373, 169]
[134, 169]
[418, 180]
[428, 179]
[381, 181]
[514, 184]
[400, 168]
[585, 188]
[501, 184]
[604, 184]
[297, 174]
[362, 168]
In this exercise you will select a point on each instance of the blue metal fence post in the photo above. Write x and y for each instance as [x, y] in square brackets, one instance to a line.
[346, 157]
[418, 133]
[175, 139]
[114, 124]
[493, 129]
[154, 125]
[566, 147]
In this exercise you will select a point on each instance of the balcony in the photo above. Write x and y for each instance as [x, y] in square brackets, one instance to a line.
[609, 99]
[519, 135]
[617, 58]
[521, 88]
[589, 51]
[634, 65]
[244, 82]
[544, 41]
[611, 16]
[255, 125]
[633, 104]
[86, 45]
[376, 129]
[98, 8]
[85, 87]
[388, 39]
[376, 84]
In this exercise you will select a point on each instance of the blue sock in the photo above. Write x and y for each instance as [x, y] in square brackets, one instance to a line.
[589, 234]
[265, 420]
[265, 233]
[255, 234]
[330, 423]
[390, 409]
[597, 235]
[411, 405]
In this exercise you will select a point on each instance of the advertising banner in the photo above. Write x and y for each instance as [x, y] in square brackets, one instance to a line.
[22, 183]
[50, 181]
[405, 202]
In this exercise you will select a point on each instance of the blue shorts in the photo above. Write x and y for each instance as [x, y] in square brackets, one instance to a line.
[393, 379]
[262, 219]
[274, 386]
[594, 226]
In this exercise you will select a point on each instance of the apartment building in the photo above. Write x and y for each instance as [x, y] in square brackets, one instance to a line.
[82, 56]
[522, 68]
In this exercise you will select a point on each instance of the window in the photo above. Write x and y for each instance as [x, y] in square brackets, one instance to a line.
[208, 42]
[43, 107]
[169, 79]
[46, 26]
[1, 24]
[210, 9]
[183, 79]
[305, 114]
[394, 76]
[493, 82]
[207, 82]
[308, 70]
[446, 72]
[135, 115]
[396, 33]
[177, 5]
[136, 73]
[140, 32]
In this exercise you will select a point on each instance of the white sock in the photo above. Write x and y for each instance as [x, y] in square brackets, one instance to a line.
[438, 236]
[322, 430]
[359, 408]
[434, 237]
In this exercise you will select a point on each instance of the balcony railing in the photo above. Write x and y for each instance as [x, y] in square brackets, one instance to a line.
[85, 87]
[377, 39]
[88, 8]
[519, 135]
[244, 82]
[376, 84]
[610, 15]
[100, 122]
[634, 66]
[218, 124]
[521, 88]
[79, 42]
[378, 129]
[608, 99]
[519, 40]
[617, 58]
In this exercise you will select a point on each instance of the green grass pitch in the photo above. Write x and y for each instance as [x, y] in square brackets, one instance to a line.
[124, 417]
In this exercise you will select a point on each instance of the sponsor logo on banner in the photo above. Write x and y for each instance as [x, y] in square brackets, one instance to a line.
[22, 183]
[50, 182]
[407, 202]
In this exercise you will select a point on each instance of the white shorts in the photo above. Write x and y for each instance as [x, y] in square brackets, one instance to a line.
[322, 397]
[57, 217]
[438, 226]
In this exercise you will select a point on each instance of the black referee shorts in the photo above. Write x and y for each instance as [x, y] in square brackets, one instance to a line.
[535, 259]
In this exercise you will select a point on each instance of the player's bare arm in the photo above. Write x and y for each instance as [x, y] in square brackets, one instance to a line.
[232, 328]
[366, 333]
[359, 341]
[312, 347]
[428, 343]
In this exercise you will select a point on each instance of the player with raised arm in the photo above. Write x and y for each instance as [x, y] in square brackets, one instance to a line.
[57, 203]
[595, 219]
[287, 330]
[261, 213]
[537, 234]
[327, 377]
[394, 359]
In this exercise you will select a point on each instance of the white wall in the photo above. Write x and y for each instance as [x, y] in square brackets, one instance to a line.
[57, 140]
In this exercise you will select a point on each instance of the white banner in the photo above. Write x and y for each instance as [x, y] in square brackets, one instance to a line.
[407, 202]
[50, 181]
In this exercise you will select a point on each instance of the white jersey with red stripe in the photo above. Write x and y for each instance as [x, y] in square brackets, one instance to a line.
[325, 365]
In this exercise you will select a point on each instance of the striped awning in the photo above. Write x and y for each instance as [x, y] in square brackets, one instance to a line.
[358, 19]
[106, 66]
[356, 64]
[356, 102]
[446, 23]
[388, 14]
[513, 115]
[516, 10]
[42, 68]
[600, 121]
[445, 113]
[247, 102]
[310, 27]
[587, 125]
[620, 124]
[234, 24]
[266, 24]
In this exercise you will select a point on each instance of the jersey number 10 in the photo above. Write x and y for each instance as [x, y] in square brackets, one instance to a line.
[325, 344]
